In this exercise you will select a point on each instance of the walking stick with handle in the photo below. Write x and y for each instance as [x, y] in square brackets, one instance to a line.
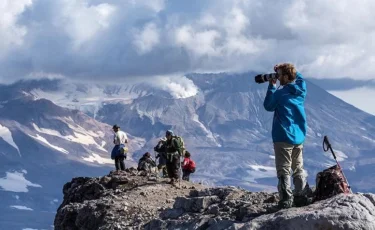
[329, 147]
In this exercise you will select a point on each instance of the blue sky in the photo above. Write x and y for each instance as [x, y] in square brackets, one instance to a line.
[123, 39]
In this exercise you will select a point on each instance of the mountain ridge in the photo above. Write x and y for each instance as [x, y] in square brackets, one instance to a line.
[221, 118]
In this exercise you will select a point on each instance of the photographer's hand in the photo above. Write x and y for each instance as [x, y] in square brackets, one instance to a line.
[272, 81]
[275, 67]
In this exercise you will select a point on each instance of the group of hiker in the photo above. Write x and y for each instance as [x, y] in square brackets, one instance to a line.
[169, 152]
[288, 135]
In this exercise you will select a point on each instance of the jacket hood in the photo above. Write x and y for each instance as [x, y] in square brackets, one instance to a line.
[293, 88]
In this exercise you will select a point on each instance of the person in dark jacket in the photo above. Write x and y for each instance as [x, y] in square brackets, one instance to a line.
[146, 163]
[173, 151]
[162, 156]
[288, 131]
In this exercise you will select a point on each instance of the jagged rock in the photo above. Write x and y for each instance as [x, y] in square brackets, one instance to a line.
[248, 212]
[105, 181]
[214, 209]
[195, 204]
[355, 211]
[137, 203]
[120, 200]
[118, 180]
[272, 199]
[172, 213]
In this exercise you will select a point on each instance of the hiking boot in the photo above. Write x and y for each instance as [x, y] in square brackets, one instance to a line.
[172, 181]
[300, 201]
[285, 204]
[304, 197]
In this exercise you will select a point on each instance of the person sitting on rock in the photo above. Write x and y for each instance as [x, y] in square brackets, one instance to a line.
[188, 166]
[146, 163]
[162, 155]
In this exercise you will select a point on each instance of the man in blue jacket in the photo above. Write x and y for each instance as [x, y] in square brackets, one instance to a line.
[288, 132]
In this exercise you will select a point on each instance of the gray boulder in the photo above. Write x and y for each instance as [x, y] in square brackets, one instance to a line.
[354, 211]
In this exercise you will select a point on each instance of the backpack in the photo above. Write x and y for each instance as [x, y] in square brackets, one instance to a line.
[192, 166]
[124, 151]
[181, 144]
[330, 182]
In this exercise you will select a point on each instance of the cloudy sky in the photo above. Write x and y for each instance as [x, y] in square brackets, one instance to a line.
[119, 39]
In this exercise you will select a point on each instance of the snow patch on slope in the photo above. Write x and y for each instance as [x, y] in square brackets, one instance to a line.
[43, 140]
[260, 171]
[209, 133]
[19, 207]
[16, 182]
[368, 138]
[6, 135]
[96, 158]
[340, 156]
[81, 136]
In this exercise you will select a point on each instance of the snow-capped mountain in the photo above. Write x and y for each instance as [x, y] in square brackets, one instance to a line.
[223, 122]
[46, 137]
[42, 146]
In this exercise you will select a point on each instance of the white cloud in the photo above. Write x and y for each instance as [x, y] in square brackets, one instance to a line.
[83, 21]
[177, 86]
[147, 38]
[16, 182]
[207, 20]
[116, 39]
[235, 22]
[11, 32]
[155, 5]
[198, 42]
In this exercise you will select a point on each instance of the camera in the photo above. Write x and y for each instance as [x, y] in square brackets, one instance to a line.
[261, 78]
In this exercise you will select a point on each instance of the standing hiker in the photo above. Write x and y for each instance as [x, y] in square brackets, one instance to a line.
[288, 131]
[162, 155]
[188, 166]
[174, 151]
[118, 154]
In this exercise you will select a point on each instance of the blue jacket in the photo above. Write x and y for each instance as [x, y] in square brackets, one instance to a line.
[289, 119]
[116, 151]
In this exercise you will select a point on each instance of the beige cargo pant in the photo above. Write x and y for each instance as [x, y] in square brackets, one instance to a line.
[289, 157]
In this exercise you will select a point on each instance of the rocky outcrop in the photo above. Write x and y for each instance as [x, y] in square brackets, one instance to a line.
[215, 208]
[127, 200]
[120, 200]
[246, 210]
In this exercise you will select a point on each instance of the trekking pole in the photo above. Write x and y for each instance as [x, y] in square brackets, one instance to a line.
[329, 147]
[156, 169]
[180, 176]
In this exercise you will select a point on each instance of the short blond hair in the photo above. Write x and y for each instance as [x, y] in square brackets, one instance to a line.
[289, 70]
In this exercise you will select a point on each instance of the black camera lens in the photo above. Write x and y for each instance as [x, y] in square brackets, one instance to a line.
[261, 78]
